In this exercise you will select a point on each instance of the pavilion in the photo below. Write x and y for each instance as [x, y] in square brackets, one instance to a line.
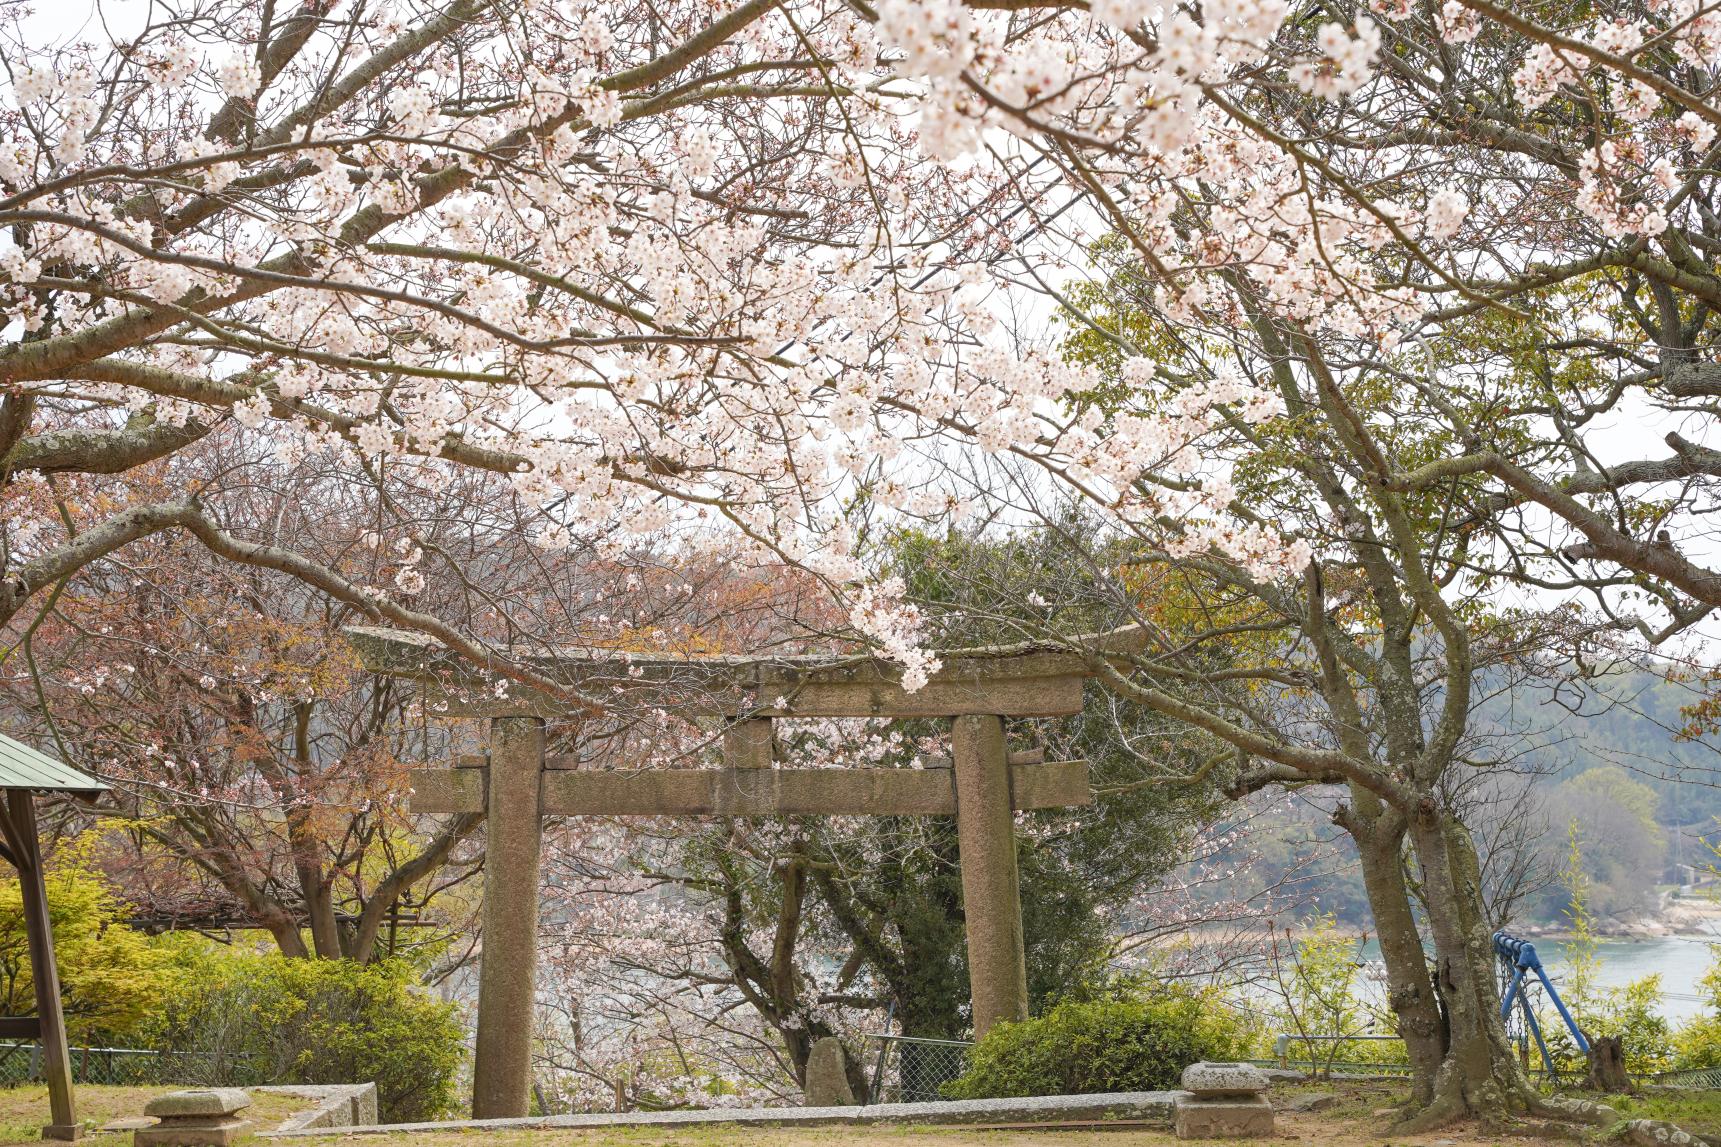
[24, 772]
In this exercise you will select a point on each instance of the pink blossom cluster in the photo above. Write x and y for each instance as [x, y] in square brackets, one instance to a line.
[895, 626]
[1345, 64]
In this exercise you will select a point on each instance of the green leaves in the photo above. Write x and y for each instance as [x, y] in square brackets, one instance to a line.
[290, 1020]
[1140, 1040]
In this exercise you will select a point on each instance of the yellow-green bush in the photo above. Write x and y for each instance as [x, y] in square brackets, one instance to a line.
[110, 976]
[260, 1018]
[1630, 1012]
[1697, 1043]
[1138, 1041]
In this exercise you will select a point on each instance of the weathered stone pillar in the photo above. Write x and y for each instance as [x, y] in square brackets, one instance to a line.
[747, 744]
[991, 891]
[513, 831]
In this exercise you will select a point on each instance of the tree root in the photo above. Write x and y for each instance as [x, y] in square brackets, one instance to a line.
[1552, 1115]
[1657, 1133]
[1545, 1130]
[1585, 1111]
[1447, 1107]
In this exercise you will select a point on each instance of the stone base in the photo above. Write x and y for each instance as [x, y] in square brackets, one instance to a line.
[1228, 1118]
[65, 1132]
[191, 1133]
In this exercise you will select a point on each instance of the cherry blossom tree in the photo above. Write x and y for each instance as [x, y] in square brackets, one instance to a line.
[261, 775]
[1304, 220]
[1374, 286]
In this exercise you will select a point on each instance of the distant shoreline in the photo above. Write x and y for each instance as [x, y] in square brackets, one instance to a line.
[1696, 917]
[1677, 918]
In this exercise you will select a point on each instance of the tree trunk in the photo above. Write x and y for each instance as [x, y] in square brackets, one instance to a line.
[1379, 834]
[1478, 1076]
[308, 867]
[284, 927]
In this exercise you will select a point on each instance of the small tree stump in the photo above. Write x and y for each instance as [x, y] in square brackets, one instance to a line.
[1607, 1065]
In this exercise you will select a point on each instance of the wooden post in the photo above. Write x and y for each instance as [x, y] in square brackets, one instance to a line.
[991, 891]
[56, 1057]
[502, 1071]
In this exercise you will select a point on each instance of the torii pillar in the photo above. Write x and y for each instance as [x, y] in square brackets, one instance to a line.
[507, 967]
[991, 883]
[518, 784]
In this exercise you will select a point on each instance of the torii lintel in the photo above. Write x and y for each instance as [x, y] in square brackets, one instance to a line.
[1025, 679]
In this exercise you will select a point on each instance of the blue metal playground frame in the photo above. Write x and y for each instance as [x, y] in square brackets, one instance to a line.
[1519, 958]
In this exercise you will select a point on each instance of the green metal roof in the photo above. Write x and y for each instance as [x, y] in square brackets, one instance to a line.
[22, 767]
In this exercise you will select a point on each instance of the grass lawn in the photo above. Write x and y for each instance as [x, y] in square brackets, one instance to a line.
[1698, 1112]
[24, 1109]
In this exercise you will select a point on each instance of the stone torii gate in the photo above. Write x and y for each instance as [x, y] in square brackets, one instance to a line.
[518, 783]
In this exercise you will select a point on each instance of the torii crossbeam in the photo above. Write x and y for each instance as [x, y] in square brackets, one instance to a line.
[517, 784]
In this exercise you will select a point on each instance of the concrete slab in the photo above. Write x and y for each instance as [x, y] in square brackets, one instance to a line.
[126, 1123]
[1153, 1108]
[335, 1104]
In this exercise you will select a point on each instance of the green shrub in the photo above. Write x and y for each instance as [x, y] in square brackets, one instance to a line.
[1140, 1041]
[265, 1018]
[1631, 1012]
[1697, 1043]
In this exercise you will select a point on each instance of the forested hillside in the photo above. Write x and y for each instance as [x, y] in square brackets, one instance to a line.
[1613, 768]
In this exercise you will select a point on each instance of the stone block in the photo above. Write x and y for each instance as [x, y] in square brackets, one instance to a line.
[827, 1075]
[192, 1131]
[201, 1117]
[364, 1105]
[1224, 1079]
[1230, 1118]
[208, 1102]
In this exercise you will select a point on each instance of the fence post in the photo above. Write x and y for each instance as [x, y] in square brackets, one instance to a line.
[877, 1093]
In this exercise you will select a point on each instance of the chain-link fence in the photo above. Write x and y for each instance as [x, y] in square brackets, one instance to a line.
[1700, 1078]
[21, 1062]
[1336, 1054]
[907, 1069]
